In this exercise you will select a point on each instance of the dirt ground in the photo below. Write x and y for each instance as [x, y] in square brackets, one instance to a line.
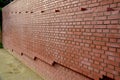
[13, 69]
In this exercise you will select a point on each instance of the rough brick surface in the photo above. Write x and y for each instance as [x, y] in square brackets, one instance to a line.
[81, 35]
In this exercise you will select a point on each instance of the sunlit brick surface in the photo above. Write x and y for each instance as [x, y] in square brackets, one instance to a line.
[82, 35]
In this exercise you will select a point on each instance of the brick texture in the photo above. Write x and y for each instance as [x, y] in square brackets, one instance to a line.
[62, 39]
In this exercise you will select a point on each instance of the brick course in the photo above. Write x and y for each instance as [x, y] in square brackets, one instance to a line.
[80, 36]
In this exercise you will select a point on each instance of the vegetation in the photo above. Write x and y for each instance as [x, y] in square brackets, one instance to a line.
[2, 4]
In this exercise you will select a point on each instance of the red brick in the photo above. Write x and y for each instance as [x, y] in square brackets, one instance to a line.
[113, 45]
[106, 2]
[79, 42]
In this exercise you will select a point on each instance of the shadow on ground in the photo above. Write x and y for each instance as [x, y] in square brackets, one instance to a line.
[13, 69]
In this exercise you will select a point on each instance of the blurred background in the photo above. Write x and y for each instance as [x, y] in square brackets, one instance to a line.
[2, 4]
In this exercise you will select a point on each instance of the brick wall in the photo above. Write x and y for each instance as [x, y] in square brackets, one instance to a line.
[76, 39]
